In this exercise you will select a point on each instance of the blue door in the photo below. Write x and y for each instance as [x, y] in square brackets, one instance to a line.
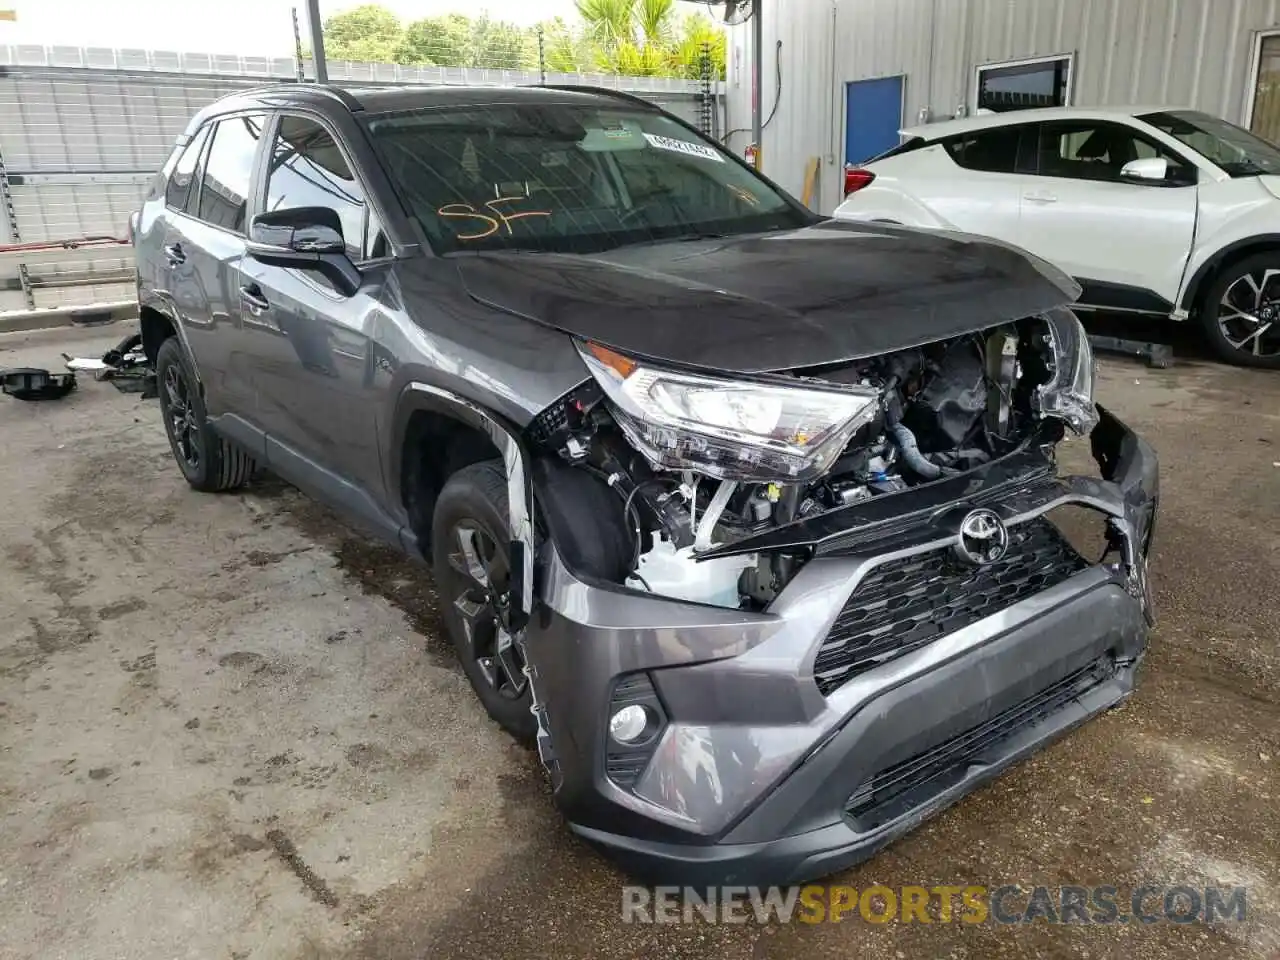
[873, 116]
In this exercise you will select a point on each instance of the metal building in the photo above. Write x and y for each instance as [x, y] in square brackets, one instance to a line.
[841, 76]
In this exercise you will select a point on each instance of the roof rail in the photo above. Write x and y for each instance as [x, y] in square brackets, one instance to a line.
[345, 97]
[603, 91]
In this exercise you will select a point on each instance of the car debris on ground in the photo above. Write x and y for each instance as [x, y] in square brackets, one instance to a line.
[125, 366]
[33, 383]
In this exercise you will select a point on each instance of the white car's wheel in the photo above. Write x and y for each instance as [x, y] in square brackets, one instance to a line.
[1241, 312]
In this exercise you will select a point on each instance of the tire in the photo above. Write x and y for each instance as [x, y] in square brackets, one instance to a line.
[209, 463]
[1250, 286]
[469, 537]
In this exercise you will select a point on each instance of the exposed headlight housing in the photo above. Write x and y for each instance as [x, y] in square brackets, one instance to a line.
[752, 430]
[1069, 393]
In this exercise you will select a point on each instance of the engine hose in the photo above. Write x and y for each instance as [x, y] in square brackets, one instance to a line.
[905, 441]
[630, 514]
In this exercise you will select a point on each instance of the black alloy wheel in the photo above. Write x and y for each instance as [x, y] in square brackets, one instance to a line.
[470, 550]
[209, 462]
[183, 428]
[478, 590]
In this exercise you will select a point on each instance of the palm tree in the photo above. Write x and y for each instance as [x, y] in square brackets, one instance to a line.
[609, 22]
[631, 25]
[655, 20]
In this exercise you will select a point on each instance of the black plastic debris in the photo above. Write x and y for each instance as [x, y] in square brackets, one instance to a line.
[32, 383]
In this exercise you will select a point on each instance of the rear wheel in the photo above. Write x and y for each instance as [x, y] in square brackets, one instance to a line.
[207, 461]
[469, 538]
[1241, 312]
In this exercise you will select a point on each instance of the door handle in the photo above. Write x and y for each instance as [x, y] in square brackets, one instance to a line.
[1040, 196]
[174, 254]
[252, 296]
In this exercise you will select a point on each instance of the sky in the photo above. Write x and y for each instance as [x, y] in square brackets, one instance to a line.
[248, 27]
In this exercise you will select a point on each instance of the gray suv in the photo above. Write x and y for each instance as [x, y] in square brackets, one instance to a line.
[745, 517]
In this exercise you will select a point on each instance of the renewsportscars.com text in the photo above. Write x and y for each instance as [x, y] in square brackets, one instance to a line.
[973, 903]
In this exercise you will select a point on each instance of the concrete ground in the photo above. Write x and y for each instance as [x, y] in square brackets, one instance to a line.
[229, 727]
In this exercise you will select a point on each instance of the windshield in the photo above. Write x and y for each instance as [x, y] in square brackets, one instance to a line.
[1234, 149]
[568, 178]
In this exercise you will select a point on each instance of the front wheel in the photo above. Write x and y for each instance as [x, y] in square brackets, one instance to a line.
[1241, 312]
[470, 538]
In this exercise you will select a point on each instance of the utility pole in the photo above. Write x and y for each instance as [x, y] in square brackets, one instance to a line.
[317, 40]
[542, 56]
[297, 46]
[757, 77]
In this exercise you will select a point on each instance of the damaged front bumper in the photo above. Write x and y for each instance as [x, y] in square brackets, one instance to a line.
[881, 685]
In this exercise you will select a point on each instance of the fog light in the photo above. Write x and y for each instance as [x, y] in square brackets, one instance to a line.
[629, 724]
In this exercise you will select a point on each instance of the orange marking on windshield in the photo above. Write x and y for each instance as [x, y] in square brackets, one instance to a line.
[466, 211]
[499, 219]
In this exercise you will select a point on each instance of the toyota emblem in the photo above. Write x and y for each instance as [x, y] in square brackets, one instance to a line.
[983, 538]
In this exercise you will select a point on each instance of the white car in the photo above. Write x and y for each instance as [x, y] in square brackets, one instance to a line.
[1153, 210]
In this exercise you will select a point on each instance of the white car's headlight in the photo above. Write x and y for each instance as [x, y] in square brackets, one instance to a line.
[730, 429]
[1069, 393]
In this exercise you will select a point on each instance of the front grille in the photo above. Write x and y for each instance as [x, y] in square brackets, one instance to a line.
[626, 770]
[905, 785]
[904, 604]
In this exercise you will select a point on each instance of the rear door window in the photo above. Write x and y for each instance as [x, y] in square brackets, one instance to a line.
[178, 191]
[228, 171]
[990, 151]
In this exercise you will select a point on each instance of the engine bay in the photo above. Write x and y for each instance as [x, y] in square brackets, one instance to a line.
[938, 411]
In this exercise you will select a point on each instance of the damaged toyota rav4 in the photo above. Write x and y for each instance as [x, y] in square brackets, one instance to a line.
[745, 517]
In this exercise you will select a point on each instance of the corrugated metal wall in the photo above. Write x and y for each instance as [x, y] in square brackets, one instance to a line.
[82, 132]
[1186, 52]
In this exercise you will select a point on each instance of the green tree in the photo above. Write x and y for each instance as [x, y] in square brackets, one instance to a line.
[498, 45]
[369, 32]
[635, 37]
[686, 54]
[655, 21]
[608, 22]
[649, 38]
[439, 41]
[565, 49]
[632, 60]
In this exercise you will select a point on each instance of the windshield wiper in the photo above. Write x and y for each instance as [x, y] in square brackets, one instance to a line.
[703, 235]
[1244, 168]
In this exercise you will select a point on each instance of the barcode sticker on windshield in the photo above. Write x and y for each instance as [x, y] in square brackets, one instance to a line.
[683, 146]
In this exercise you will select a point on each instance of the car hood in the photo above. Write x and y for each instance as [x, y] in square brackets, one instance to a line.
[1272, 183]
[800, 298]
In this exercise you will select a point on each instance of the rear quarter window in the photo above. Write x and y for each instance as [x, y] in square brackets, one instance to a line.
[907, 146]
[178, 190]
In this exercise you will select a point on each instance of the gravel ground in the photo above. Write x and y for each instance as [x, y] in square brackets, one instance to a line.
[229, 727]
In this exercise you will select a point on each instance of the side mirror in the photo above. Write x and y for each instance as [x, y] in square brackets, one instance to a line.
[1148, 169]
[305, 238]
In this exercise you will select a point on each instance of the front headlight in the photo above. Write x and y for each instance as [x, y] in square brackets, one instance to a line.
[729, 429]
[1069, 393]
